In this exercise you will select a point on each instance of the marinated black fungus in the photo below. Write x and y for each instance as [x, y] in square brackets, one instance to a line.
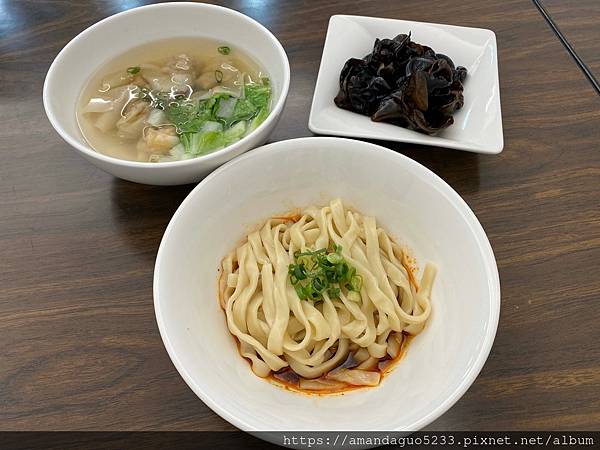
[403, 83]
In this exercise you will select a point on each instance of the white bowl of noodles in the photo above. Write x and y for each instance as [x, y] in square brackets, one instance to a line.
[416, 209]
[99, 46]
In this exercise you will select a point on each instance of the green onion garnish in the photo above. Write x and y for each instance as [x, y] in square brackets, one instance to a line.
[218, 76]
[316, 272]
[133, 70]
[224, 50]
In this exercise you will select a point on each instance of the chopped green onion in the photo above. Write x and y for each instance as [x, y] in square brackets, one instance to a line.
[333, 292]
[334, 258]
[318, 272]
[356, 283]
[218, 76]
[133, 70]
[224, 50]
[309, 253]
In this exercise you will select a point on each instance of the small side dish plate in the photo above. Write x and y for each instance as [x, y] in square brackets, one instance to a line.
[477, 126]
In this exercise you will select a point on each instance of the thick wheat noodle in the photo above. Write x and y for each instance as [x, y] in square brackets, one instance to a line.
[276, 329]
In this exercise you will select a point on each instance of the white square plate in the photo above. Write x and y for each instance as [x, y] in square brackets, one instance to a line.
[477, 126]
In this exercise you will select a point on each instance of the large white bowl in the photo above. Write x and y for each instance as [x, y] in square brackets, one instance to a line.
[114, 35]
[409, 201]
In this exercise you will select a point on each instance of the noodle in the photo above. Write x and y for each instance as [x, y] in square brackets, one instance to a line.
[350, 327]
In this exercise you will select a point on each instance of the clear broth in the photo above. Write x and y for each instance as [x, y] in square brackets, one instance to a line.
[200, 50]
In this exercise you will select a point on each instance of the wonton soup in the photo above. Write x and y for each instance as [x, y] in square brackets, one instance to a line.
[173, 100]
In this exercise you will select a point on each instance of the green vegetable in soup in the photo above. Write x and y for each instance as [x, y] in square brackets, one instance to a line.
[213, 123]
[202, 143]
[224, 50]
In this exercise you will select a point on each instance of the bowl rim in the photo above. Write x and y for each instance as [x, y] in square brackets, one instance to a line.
[90, 152]
[477, 232]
